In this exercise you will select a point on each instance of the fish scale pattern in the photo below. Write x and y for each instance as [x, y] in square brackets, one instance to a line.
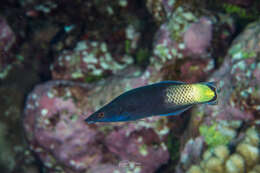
[180, 95]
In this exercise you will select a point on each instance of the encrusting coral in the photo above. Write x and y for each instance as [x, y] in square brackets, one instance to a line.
[245, 157]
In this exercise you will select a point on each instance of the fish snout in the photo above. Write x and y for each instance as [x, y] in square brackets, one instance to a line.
[89, 120]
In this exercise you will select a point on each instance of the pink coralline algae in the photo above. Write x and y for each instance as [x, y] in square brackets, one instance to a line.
[56, 131]
[198, 37]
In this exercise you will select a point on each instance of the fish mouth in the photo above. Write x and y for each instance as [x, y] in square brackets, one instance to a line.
[90, 120]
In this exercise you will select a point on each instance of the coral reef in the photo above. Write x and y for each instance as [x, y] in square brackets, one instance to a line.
[62, 60]
[240, 97]
[225, 123]
[245, 157]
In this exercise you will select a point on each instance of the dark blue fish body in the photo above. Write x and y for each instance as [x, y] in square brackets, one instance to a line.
[156, 99]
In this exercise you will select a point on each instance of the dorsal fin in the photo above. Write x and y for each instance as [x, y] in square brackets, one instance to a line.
[211, 84]
[172, 82]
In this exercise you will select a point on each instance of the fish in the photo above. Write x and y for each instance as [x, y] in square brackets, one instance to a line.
[166, 98]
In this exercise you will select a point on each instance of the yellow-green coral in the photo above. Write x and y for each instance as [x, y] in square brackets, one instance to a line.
[245, 157]
[212, 136]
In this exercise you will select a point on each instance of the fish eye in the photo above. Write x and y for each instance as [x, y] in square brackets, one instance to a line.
[100, 115]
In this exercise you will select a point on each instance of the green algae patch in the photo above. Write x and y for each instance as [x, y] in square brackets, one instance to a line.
[212, 136]
[243, 13]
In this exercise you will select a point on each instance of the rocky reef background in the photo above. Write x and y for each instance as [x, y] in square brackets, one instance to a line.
[62, 60]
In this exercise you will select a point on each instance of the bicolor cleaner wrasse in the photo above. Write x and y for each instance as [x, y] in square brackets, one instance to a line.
[165, 98]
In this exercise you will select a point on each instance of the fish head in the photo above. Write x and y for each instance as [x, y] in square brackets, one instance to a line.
[206, 92]
[109, 113]
[95, 117]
